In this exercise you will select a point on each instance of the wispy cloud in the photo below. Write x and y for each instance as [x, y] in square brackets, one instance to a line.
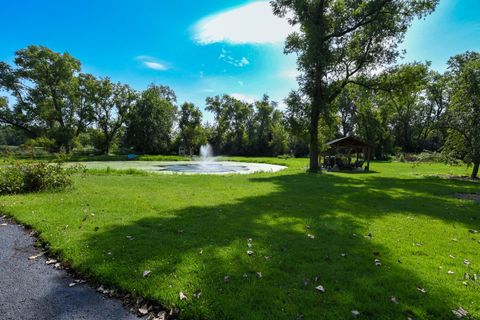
[243, 97]
[152, 63]
[251, 23]
[227, 57]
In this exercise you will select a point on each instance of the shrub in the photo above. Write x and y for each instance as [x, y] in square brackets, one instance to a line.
[22, 177]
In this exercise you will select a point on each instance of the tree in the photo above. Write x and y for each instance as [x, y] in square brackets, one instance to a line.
[190, 125]
[403, 93]
[47, 101]
[231, 123]
[150, 124]
[339, 40]
[111, 105]
[296, 121]
[463, 114]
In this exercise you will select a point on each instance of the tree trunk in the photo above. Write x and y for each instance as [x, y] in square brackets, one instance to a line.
[476, 166]
[314, 150]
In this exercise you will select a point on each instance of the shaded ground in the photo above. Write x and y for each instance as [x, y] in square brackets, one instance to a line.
[31, 289]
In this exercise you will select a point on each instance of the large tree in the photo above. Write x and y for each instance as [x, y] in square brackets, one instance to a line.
[46, 95]
[190, 125]
[464, 110]
[111, 104]
[340, 39]
[149, 128]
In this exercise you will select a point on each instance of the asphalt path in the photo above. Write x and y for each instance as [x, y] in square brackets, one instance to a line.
[31, 289]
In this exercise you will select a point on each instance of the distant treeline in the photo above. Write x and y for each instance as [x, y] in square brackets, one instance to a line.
[407, 108]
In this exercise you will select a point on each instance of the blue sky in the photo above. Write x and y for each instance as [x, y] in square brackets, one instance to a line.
[201, 47]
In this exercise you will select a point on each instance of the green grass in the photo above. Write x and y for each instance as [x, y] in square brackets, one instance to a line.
[191, 231]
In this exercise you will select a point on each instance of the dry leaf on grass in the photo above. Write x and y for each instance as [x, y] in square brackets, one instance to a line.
[146, 273]
[182, 296]
[460, 312]
[320, 288]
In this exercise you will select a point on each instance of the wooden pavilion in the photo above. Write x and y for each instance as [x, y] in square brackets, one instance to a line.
[347, 146]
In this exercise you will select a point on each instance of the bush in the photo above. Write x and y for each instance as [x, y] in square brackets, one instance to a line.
[22, 177]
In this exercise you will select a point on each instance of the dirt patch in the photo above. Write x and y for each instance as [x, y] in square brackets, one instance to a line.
[468, 196]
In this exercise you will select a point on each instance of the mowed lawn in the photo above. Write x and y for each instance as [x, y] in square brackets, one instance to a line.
[193, 231]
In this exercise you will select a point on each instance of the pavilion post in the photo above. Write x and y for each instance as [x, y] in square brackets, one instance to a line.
[367, 168]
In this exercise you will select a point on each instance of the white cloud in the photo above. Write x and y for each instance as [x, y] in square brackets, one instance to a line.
[226, 56]
[152, 63]
[251, 23]
[243, 97]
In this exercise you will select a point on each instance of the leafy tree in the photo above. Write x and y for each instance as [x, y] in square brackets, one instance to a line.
[231, 123]
[296, 122]
[403, 93]
[45, 87]
[190, 125]
[150, 124]
[111, 105]
[463, 113]
[339, 40]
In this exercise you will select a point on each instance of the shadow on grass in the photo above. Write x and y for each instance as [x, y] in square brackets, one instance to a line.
[196, 247]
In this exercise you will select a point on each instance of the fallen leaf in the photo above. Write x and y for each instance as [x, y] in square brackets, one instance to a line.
[51, 261]
[454, 239]
[259, 274]
[453, 257]
[394, 299]
[460, 312]
[355, 313]
[146, 273]
[197, 294]
[249, 252]
[249, 245]
[182, 296]
[143, 310]
[320, 288]
[450, 272]
[36, 256]
[57, 265]
[418, 244]
[201, 251]
[422, 290]
[311, 236]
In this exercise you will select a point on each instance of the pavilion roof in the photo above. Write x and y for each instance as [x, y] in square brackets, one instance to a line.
[349, 141]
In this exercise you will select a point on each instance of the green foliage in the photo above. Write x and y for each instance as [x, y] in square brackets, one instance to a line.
[463, 113]
[340, 40]
[192, 134]
[150, 124]
[22, 177]
[45, 88]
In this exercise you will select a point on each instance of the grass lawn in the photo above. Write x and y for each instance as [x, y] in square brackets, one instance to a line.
[192, 231]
